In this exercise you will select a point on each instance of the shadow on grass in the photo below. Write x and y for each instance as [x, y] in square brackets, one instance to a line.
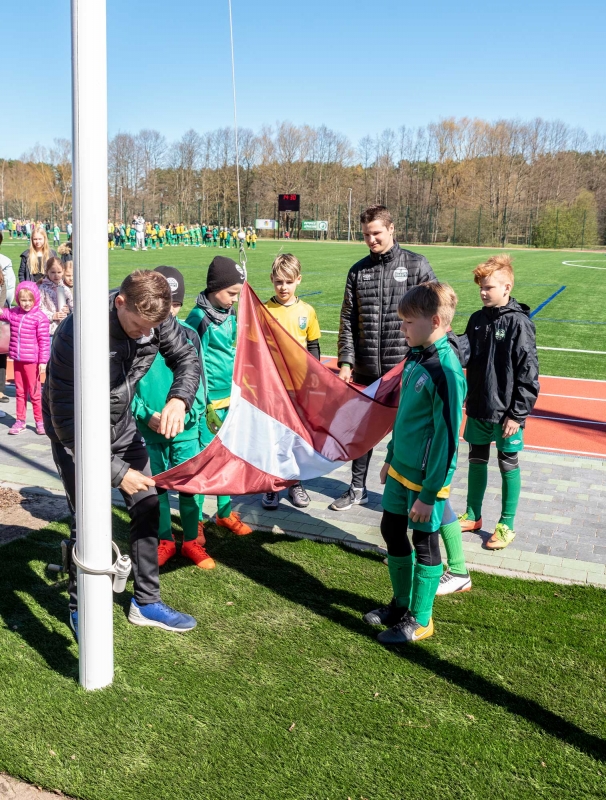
[296, 585]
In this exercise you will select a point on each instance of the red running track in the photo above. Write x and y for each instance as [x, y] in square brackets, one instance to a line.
[569, 417]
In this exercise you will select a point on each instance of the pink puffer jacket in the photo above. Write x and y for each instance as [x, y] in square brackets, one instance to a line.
[29, 340]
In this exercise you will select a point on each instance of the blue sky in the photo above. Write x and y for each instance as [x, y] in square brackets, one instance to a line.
[356, 68]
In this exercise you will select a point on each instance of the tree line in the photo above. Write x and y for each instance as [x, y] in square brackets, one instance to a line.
[457, 180]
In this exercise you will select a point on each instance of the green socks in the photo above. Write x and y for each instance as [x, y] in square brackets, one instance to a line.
[189, 509]
[511, 484]
[477, 481]
[223, 506]
[425, 585]
[453, 542]
[400, 573]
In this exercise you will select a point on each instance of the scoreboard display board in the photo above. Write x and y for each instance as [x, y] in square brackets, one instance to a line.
[289, 202]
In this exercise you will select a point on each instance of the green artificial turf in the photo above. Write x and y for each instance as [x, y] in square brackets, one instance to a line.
[575, 319]
[282, 692]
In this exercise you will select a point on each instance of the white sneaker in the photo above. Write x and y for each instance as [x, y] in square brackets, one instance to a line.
[449, 583]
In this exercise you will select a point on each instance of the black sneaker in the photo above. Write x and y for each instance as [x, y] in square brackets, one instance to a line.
[405, 631]
[352, 497]
[385, 615]
[271, 500]
[298, 496]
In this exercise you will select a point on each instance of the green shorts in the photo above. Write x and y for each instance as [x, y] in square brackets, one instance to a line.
[398, 499]
[478, 432]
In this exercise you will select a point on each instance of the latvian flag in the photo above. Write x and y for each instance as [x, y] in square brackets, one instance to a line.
[290, 417]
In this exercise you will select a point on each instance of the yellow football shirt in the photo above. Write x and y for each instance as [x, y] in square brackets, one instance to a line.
[299, 319]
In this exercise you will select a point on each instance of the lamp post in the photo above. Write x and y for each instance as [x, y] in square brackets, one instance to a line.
[349, 217]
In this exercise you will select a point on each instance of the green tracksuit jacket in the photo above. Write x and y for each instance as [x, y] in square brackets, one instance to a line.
[217, 331]
[152, 391]
[423, 449]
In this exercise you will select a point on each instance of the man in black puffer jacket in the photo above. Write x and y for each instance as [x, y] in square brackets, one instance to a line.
[370, 340]
[140, 325]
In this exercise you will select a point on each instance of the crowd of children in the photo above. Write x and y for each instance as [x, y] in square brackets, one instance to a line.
[500, 388]
[155, 236]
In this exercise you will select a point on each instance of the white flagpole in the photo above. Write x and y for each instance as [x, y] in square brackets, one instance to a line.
[91, 341]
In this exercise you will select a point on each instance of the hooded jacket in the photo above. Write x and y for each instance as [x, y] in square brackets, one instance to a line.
[503, 367]
[29, 338]
[129, 360]
[369, 333]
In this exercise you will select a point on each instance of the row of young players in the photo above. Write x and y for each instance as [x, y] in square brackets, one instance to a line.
[157, 235]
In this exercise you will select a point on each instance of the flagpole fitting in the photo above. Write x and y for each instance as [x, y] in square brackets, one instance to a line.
[120, 569]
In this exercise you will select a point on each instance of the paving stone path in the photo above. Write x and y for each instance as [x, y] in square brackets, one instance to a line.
[561, 523]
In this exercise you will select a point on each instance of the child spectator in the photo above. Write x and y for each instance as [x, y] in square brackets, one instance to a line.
[300, 320]
[56, 234]
[33, 260]
[150, 398]
[56, 299]
[421, 459]
[214, 319]
[503, 381]
[68, 275]
[65, 251]
[29, 348]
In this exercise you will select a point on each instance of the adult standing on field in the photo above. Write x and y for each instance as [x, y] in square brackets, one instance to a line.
[140, 232]
[370, 340]
[33, 260]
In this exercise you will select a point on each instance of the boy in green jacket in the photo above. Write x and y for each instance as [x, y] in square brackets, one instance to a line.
[214, 319]
[150, 397]
[421, 460]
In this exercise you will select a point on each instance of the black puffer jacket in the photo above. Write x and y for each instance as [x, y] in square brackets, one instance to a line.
[25, 268]
[369, 333]
[503, 368]
[129, 360]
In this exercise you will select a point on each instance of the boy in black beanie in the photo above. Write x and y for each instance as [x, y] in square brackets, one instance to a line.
[214, 318]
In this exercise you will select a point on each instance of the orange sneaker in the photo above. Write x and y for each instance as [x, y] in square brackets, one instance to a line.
[469, 524]
[234, 524]
[201, 535]
[196, 553]
[166, 549]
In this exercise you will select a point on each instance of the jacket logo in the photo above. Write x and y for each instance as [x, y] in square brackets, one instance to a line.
[112, 354]
[400, 274]
[499, 334]
[366, 277]
[302, 323]
[421, 382]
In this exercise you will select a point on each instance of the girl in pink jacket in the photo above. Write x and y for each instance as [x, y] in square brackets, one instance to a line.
[29, 348]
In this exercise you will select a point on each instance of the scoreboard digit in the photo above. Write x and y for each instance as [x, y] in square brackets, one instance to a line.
[289, 202]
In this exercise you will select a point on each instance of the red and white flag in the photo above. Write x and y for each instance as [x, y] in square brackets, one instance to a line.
[290, 417]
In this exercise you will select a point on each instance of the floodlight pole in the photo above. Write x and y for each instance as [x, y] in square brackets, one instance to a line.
[349, 218]
[91, 341]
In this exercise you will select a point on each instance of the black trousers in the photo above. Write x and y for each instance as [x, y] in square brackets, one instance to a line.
[359, 466]
[142, 507]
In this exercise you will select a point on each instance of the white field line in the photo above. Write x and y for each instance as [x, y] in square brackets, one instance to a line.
[562, 378]
[582, 266]
[568, 350]
[321, 331]
[573, 397]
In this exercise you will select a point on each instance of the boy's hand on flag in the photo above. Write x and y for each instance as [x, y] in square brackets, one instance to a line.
[420, 512]
[510, 427]
[345, 373]
[135, 481]
[172, 419]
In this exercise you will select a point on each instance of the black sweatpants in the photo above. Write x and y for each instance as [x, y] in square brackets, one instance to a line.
[359, 466]
[142, 507]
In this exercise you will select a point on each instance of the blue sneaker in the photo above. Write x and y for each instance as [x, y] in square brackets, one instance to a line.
[159, 615]
[73, 623]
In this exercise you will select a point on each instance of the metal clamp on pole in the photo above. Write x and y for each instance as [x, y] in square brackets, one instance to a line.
[120, 569]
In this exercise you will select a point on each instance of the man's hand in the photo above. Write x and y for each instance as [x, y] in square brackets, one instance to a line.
[420, 512]
[154, 422]
[134, 482]
[510, 426]
[41, 370]
[383, 473]
[172, 418]
[345, 373]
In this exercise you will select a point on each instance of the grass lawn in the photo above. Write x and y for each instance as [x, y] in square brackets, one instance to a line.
[575, 319]
[281, 691]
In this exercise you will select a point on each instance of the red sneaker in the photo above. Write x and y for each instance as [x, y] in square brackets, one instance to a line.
[196, 553]
[234, 524]
[469, 524]
[166, 549]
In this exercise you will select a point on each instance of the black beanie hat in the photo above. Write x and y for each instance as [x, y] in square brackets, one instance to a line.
[223, 272]
[175, 281]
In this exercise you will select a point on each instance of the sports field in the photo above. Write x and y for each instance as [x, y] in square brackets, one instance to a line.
[565, 290]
